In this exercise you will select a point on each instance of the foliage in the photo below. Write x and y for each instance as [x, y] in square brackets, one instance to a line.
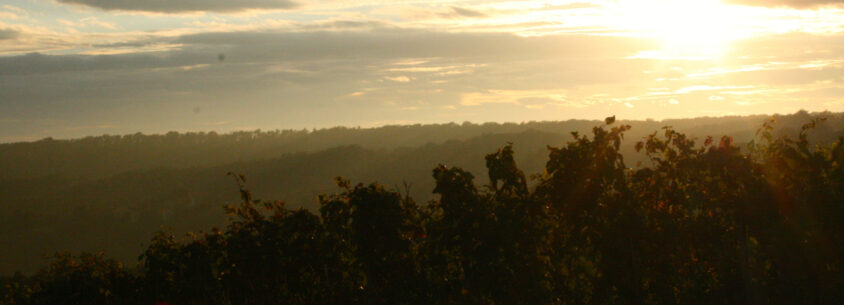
[113, 192]
[710, 223]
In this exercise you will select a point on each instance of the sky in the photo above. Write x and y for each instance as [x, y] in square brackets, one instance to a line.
[73, 68]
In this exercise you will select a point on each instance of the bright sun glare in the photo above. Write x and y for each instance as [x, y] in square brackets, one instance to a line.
[700, 29]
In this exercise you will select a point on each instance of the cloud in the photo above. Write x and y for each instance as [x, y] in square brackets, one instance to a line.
[89, 22]
[35, 63]
[531, 99]
[8, 34]
[301, 78]
[12, 12]
[441, 12]
[468, 49]
[465, 12]
[407, 43]
[183, 6]
[399, 79]
[798, 4]
[340, 25]
[331, 77]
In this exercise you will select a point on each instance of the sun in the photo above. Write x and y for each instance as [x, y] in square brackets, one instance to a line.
[684, 28]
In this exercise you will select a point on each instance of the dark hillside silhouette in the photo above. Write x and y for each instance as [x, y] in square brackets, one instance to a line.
[709, 222]
[113, 192]
[107, 155]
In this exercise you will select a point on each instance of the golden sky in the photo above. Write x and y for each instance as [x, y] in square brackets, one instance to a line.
[71, 68]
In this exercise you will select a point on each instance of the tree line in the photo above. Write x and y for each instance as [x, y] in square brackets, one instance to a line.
[112, 192]
[97, 157]
[707, 222]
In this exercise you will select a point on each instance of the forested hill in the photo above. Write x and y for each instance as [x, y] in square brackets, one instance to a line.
[103, 156]
[120, 212]
[112, 192]
[708, 222]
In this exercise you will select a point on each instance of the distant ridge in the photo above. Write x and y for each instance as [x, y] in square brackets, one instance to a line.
[112, 192]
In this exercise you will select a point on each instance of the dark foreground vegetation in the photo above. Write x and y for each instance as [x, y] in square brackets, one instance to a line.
[707, 222]
[113, 192]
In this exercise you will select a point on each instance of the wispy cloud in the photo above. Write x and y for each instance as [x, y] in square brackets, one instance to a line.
[10, 12]
[183, 6]
[400, 79]
[531, 99]
[89, 22]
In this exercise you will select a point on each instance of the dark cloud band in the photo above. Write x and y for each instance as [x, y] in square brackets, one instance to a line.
[384, 44]
[6, 34]
[184, 6]
[465, 12]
